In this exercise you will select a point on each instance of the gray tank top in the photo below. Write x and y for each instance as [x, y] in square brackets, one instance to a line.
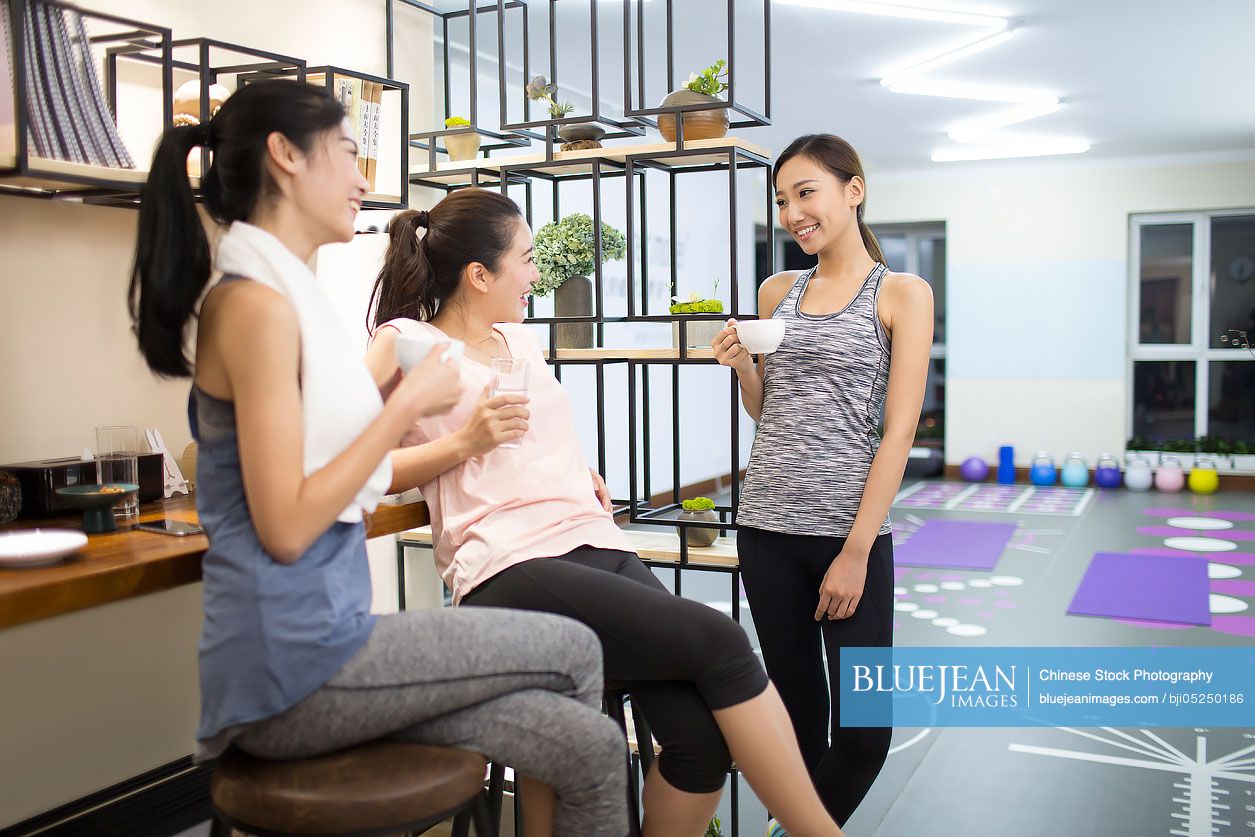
[823, 396]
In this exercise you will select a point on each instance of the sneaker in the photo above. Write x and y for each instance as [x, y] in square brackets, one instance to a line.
[775, 829]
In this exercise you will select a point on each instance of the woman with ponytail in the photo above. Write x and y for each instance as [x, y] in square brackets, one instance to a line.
[296, 445]
[813, 527]
[529, 526]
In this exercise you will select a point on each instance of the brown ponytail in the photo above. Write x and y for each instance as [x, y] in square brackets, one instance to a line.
[419, 275]
[839, 157]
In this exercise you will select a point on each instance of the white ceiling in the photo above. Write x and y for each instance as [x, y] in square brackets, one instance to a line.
[1136, 77]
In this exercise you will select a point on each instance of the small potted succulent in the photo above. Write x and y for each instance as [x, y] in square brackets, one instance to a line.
[701, 88]
[700, 509]
[539, 89]
[564, 254]
[701, 333]
[461, 146]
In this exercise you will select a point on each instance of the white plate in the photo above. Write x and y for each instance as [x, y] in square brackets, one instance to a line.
[38, 547]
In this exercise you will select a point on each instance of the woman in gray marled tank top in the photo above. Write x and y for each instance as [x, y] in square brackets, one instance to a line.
[813, 525]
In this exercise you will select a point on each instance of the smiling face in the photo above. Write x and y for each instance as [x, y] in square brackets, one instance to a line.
[506, 290]
[815, 207]
[330, 190]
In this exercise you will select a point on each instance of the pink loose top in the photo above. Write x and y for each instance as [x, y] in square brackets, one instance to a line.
[511, 505]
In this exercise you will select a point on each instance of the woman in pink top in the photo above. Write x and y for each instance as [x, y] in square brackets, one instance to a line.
[529, 527]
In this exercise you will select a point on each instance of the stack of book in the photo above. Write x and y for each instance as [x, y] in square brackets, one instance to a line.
[362, 101]
[69, 119]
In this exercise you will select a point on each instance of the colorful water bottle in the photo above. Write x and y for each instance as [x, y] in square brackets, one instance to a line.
[1107, 472]
[1137, 474]
[1169, 478]
[1042, 471]
[1006, 465]
[1075, 472]
[1203, 476]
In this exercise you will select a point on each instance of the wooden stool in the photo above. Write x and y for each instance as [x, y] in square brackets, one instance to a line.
[380, 788]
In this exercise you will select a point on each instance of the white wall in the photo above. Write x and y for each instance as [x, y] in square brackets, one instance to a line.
[96, 697]
[1038, 283]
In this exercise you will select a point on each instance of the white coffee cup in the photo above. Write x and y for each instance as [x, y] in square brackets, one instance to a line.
[412, 348]
[760, 337]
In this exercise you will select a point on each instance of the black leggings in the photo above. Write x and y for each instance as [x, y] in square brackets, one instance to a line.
[782, 574]
[678, 658]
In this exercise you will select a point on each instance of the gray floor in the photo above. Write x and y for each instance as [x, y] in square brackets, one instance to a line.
[1024, 782]
[999, 782]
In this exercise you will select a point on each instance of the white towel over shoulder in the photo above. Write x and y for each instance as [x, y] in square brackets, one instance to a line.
[339, 396]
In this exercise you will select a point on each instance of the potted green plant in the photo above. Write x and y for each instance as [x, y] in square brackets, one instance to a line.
[701, 333]
[539, 89]
[461, 146]
[699, 509]
[701, 88]
[564, 254]
[714, 828]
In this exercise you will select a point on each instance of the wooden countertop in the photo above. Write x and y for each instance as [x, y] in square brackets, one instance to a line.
[124, 564]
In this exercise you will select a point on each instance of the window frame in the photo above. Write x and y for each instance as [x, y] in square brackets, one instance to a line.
[1199, 349]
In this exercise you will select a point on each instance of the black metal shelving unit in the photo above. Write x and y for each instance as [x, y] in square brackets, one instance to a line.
[26, 175]
[127, 40]
[523, 154]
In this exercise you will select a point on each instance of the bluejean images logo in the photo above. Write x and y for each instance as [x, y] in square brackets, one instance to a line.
[1064, 687]
[961, 686]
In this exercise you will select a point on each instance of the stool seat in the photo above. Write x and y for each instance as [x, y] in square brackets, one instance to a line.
[373, 787]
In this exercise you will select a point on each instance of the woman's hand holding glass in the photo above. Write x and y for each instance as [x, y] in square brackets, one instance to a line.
[729, 351]
[497, 420]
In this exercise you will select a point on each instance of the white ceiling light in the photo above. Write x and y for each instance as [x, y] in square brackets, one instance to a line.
[983, 137]
[870, 7]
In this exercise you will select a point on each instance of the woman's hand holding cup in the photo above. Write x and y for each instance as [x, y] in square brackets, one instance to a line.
[431, 387]
[729, 351]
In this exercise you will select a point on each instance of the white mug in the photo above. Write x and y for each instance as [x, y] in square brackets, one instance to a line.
[760, 337]
[412, 348]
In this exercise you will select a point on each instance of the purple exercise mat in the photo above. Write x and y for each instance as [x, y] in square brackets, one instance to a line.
[1160, 588]
[956, 544]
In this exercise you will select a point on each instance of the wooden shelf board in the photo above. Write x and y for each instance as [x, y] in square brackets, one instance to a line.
[662, 546]
[50, 175]
[608, 353]
[580, 162]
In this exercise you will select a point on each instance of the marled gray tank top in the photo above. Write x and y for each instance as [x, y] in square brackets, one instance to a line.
[823, 395]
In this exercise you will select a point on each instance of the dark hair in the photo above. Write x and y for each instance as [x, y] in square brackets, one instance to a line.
[840, 158]
[419, 275]
[172, 258]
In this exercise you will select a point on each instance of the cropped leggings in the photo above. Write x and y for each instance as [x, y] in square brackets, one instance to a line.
[679, 659]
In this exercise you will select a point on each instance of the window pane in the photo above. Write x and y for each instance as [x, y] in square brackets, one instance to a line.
[932, 267]
[931, 432]
[1163, 399]
[894, 248]
[1231, 407]
[1232, 278]
[1166, 270]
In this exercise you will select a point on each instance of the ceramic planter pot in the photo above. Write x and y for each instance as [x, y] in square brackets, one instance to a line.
[701, 333]
[462, 146]
[581, 131]
[699, 124]
[574, 298]
[700, 536]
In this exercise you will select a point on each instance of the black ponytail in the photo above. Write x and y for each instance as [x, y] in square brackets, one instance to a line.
[172, 258]
[420, 275]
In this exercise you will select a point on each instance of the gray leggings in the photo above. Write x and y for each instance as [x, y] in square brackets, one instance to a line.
[523, 689]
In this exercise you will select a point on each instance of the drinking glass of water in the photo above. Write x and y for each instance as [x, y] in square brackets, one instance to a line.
[117, 461]
[509, 377]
